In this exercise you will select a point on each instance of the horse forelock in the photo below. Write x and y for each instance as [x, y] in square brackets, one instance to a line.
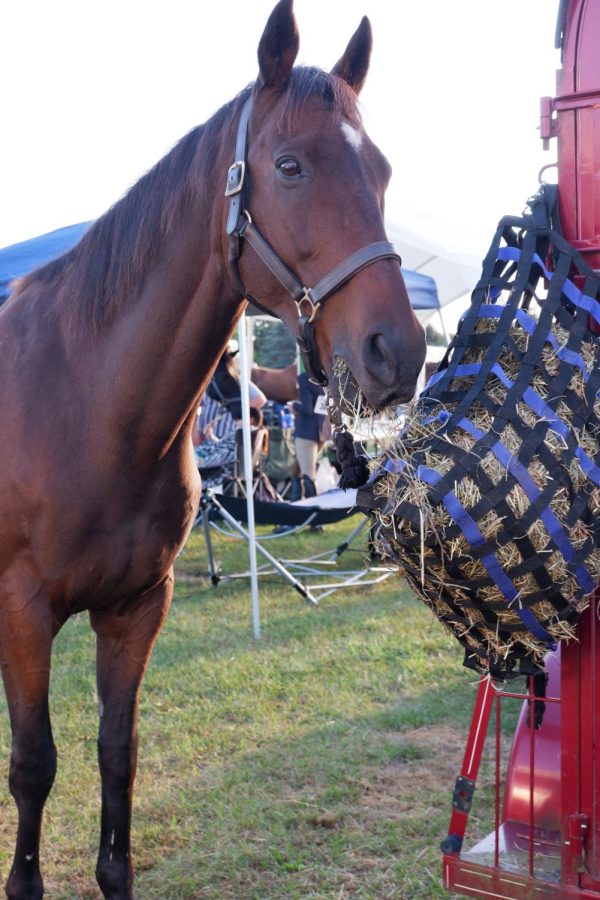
[307, 83]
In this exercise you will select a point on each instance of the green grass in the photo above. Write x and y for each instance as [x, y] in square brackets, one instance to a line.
[317, 762]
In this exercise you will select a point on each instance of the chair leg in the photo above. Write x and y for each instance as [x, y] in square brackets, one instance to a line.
[215, 575]
[310, 488]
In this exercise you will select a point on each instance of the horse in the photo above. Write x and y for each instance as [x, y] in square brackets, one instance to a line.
[277, 384]
[225, 385]
[105, 354]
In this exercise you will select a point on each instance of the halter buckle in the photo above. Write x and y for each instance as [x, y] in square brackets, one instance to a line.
[306, 297]
[235, 178]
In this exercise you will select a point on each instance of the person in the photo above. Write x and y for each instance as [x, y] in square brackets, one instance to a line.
[312, 429]
[214, 433]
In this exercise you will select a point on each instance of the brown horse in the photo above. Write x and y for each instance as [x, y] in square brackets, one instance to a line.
[277, 384]
[105, 353]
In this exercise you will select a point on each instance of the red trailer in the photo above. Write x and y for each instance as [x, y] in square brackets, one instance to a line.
[545, 837]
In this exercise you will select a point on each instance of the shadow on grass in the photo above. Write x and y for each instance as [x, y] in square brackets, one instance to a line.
[363, 797]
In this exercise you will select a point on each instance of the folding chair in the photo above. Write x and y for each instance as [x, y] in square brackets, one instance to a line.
[226, 515]
[262, 488]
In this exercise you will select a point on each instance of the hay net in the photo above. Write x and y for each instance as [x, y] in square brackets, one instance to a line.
[488, 501]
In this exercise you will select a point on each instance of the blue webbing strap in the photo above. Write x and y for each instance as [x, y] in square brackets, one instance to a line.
[533, 400]
[475, 539]
[569, 289]
[529, 324]
[553, 526]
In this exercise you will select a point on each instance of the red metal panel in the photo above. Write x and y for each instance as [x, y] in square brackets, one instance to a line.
[546, 793]
[570, 751]
[546, 840]
[577, 107]
[589, 736]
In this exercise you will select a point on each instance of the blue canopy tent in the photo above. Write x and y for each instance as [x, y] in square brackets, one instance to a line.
[22, 258]
[19, 259]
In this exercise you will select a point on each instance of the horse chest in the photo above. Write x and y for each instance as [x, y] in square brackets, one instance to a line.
[137, 545]
[110, 536]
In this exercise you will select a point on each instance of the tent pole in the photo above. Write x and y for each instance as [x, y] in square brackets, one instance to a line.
[247, 443]
[444, 332]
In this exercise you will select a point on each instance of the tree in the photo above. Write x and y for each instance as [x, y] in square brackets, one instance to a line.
[274, 346]
[433, 337]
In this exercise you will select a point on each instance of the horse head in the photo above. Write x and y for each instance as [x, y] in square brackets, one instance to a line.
[306, 191]
[225, 384]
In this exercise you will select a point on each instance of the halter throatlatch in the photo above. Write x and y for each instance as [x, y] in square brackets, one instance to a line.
[308, 300]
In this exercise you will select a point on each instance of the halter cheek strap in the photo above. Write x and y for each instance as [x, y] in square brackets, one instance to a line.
[308, 300]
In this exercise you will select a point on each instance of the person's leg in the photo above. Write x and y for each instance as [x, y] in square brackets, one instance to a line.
[306, 453]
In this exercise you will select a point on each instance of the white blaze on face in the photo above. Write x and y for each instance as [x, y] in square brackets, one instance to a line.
[353, 136]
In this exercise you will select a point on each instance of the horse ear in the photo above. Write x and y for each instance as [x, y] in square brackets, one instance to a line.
[354, 64]
[278, 46]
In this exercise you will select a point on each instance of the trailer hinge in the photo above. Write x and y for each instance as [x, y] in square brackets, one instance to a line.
[463, 794]
[578, 828]
[547, 123]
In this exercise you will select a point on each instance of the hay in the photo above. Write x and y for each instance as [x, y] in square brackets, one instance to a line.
[490, 508]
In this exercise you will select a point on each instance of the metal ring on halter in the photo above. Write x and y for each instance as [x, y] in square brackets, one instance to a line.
[314, 307]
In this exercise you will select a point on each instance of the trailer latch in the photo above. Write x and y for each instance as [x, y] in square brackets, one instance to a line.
[463, 794]
[578, 826]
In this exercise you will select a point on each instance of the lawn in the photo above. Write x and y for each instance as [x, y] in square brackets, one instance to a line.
[317, 762]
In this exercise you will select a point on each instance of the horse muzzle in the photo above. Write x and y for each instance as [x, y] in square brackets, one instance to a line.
[389, 366]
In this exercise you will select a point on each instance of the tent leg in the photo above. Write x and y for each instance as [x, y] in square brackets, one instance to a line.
[247, 440]
[297, 585]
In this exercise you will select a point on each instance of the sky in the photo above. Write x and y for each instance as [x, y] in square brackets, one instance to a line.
[93, 94]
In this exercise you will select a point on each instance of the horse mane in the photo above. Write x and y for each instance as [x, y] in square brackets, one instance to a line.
[99, 274]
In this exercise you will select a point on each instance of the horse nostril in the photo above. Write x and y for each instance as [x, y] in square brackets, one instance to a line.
[378, 353]
[380, 359]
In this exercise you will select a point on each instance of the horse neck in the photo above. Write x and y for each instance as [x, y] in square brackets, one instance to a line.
[152, 362]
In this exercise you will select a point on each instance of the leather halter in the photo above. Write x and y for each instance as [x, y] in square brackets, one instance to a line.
[308, 300]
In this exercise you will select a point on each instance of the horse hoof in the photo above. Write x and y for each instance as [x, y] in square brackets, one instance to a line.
[115, 885]
[18, 889]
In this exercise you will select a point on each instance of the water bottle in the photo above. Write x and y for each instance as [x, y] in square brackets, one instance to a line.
[287, 418]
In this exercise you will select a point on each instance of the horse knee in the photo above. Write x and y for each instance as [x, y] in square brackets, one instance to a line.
[117, 761]
[32, 772]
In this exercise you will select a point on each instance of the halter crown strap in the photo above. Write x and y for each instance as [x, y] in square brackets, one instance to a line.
[237, 174]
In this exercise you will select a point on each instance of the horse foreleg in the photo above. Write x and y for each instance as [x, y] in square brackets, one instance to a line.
[26, 633]
[125, 636]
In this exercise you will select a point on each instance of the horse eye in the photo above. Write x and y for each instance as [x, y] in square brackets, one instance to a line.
[289, 167]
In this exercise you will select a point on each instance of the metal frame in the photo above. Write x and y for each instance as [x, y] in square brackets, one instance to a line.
[546, 836]
[322, 565]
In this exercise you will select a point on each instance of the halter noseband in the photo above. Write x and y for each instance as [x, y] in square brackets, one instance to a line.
[308, 300]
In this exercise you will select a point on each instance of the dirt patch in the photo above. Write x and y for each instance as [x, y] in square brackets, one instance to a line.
[393, 789]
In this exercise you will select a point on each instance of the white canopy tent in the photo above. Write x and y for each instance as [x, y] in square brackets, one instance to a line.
[455, 274]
